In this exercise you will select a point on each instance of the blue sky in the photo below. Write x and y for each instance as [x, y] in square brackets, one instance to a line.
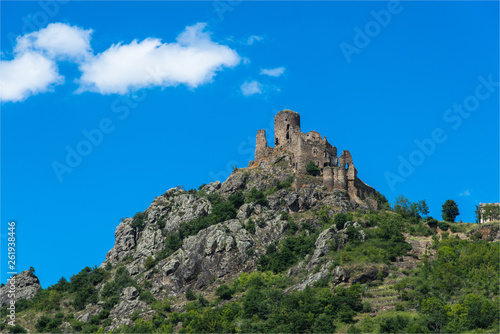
[173, 94]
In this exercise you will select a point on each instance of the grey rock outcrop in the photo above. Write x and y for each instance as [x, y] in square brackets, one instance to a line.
[326, 241]
[25, 285]
[215, 252]
[163, 216]
[369, 274]
[130, 293]
[340, 275]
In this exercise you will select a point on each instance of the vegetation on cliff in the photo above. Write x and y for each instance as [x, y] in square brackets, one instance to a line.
[257, 255]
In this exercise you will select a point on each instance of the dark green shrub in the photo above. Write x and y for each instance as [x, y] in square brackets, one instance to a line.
[395, 324]
[382, 202]
[87, 294]
[278, 185]
[353, 329]
[284, 215]
[237, 199]
[291, 250]
[138, 220]
[103, 314]
[224, 292]
[399, 307]
[257, 197]
[433, 223]
[17, 329]
[250, 226]
[223, 211]
[443, 226]
[339, 220]
[147, 297]
[311, 169]
[352, 234]
[367, 308]
[190, 295]
[292, 228]
[161, 223]
[150, 262]
[110, 302]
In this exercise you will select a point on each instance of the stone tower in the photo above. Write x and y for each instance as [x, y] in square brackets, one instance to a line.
[285, 122]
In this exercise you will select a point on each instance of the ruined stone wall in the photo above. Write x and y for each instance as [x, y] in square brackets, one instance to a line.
[260, 144]
[362, 190]
[338, 172]
[312, 148]
[328, 179]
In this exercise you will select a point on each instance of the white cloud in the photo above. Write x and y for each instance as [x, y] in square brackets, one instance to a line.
[273, 72]
[33, 69]
[27, 74]
[465, 193]
[57, 40]
[254, 38]
[251, 87]
[192, 61]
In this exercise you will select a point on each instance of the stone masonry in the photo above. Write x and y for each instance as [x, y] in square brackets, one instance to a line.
[337, 171]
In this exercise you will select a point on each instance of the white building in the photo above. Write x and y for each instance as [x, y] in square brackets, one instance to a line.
[491, 215]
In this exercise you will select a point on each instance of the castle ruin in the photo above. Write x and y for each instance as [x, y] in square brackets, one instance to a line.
[338, 172]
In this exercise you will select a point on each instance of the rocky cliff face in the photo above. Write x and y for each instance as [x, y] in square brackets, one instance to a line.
[22, 286]
[176, 244]
[227, 249]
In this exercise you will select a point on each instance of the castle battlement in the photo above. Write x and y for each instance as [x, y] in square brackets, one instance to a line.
[337, 171]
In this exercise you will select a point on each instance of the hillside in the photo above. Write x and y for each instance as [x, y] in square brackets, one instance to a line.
[255, 254]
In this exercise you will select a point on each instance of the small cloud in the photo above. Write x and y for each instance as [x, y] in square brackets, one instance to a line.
[57, 40]
[246, 60]
[254, 38]
[251, 87]
[273, 72]
[26, 75]
[33, 69]
[465, 193]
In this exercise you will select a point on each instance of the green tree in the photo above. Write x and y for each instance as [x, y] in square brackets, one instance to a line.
[402, 206]
[433, 308]
[423, 209]
[450, 211]
[382, 202]
[311, 169]
[478, 213]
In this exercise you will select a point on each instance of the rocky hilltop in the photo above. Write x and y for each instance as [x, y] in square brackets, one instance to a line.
[226, 249]
[206, 259]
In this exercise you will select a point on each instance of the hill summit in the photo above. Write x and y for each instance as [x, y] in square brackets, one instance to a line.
[293, 243]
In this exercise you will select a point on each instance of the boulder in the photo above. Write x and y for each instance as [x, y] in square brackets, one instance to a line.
[25, 285]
